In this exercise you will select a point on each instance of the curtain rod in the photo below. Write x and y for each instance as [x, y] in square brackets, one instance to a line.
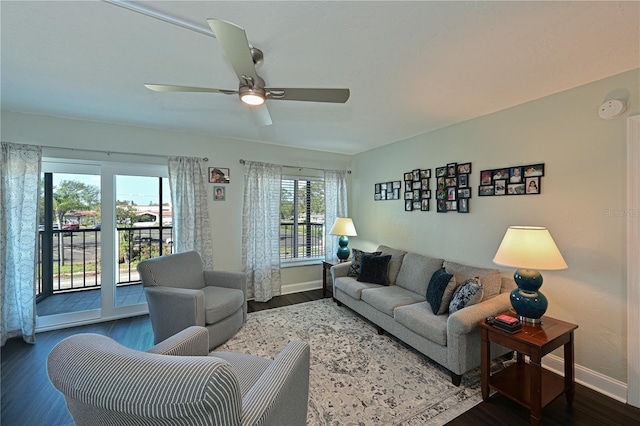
[295, 167]
[114, 152]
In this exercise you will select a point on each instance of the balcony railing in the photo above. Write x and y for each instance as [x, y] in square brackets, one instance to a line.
[76, 257]
[306, 240]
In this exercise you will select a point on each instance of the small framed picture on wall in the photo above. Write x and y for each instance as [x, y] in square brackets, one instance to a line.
[219, 193]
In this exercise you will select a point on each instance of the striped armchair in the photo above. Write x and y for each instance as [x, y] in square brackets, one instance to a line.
[177, 382]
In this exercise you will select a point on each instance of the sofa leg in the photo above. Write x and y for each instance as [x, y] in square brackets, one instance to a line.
[380, 330]
[456, 379]
[339, 303]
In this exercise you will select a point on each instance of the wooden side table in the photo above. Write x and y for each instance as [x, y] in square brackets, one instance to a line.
[326, 265]
[529, 384]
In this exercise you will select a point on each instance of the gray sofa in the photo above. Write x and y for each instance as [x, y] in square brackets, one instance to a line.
[401, 308]
[178, 382]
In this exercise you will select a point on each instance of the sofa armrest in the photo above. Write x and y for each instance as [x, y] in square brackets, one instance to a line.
[174, 309]
[281, 394]
[340, 270]
[192, 341]
[466, 320]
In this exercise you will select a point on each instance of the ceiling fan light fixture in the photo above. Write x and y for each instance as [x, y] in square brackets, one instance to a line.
[252, 96]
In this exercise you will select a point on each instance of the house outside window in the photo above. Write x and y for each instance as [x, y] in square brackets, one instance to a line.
[302, 224]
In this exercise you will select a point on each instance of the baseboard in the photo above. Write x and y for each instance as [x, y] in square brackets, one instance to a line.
[298, 287]
[592, 379]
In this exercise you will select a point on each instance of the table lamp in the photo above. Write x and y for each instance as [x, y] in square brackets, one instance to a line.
[529, 248]
[343, 226]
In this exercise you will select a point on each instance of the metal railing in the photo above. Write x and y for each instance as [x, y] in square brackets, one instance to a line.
[76, 257]
[306, 240]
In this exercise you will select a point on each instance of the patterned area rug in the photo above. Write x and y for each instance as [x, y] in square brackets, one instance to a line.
[358, 377]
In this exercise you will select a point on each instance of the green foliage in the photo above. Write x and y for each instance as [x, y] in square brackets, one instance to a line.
[72, 195]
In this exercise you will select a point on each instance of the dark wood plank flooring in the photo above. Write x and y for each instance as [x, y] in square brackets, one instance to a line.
[28, 398]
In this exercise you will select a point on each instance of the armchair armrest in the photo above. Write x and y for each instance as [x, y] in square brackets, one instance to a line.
[466, 320]
[193, 341]
[340, 270]
[228, 279]
[174, 309]
[281, 394]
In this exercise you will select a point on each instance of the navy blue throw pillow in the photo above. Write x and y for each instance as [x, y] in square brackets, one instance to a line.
[374, 269]
[437, 286]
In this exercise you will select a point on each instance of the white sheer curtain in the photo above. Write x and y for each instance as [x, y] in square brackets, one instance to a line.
[19, 192]
[189, 192]
[261, 230]
[335, 203]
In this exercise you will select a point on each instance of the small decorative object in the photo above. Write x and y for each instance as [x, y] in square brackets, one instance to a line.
[219, 193]
[344, 227]
[517, 180]
[530, 249]
[453, 190]
[416, 190]
[218, 175]
[387, 191]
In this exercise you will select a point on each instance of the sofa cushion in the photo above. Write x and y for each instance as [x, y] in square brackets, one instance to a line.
[394, 263]
[440, 291]
[386, 299]
[352, 287]
[491, 279]
[373, 269]
[420, 319]
[416, 271]
[467, 294]
[354, 269]
[220, 302]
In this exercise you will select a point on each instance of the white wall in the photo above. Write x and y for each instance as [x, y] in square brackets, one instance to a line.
[226, 216]
[583, 188]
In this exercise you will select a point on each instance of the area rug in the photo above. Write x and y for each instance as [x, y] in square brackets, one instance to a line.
[358, 377]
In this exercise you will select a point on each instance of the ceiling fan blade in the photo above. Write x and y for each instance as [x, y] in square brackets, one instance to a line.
[174, 88]
[235, 45]
[339, 96]
[261, 115]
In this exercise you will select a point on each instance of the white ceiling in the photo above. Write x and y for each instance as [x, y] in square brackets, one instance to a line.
[411, 66]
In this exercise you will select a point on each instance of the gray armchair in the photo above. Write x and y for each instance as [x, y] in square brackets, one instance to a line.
[180, 293]
[176, 383]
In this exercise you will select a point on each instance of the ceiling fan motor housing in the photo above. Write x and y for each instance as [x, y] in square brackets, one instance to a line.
[254, 96]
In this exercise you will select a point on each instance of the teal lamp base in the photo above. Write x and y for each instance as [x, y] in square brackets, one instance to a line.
[527, 301]
[343, 250]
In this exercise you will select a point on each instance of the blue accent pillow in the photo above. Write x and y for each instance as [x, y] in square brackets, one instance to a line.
[354, 268]
[469, 293]
[438, 284]
[374, 269]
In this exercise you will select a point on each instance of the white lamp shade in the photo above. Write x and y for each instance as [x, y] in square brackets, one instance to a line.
[529, 247]
[343, 226]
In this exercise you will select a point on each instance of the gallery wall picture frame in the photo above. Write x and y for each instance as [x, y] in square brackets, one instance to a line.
[452, 186]
[219, 175]
[387, 190]
[417, 190]
[219, 193]
[512, 180]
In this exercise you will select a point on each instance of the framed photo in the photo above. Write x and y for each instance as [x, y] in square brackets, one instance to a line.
[425, 194]
[376, 188]
[500, 187]
[451, 193]
[408, 205]
[218, 175]
[485, 190]
[396, 193]
[532, 185]
[416, 195]
[425, 174]
[416, 175]
[486, 177]
[451, 169]
[441, 193]
[389, 186]
[424, 183]
[464, 168]
[452, 206]
[463, 205]
[463, 181]
[396, 184]
[408, 185]
[533, 170]
[408, 176]
[417, 205]
[441, 206]
[515, 189]
[377, 197]
[500, 174]
[383, 194]
[464, 192]
[441, 171]
[515, 175]
[451, 181]
[424, 206]
[408, 195]
[219, 193]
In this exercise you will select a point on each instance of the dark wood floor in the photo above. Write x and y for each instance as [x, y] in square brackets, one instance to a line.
[28, 398]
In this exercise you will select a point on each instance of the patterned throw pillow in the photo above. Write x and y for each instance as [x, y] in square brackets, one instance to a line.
[354, 269]
[374, 269]
[470, 292]
[440, 290]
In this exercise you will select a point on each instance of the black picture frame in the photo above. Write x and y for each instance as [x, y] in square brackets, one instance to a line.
[408, 205]
[441, 206]
[463, 205]
[464, 168]
[532, 184]
[424, 205]
[512, 180]
[500, 187]
[441, 171]
[464, 193]
[486, 190]
[452, 169]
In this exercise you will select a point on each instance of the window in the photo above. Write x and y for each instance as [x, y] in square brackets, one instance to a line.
[301, 218]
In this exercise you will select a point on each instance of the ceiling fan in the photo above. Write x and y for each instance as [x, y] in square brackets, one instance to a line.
[252, 90]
